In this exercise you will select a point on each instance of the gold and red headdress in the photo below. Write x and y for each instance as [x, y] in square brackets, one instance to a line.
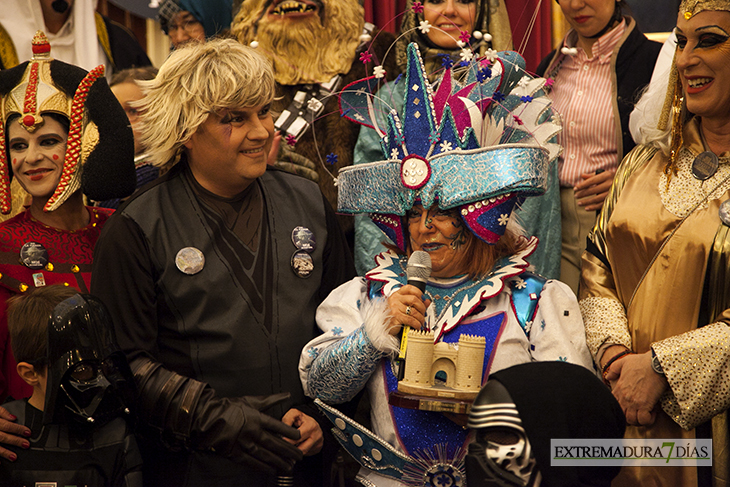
[99, 134]
[688, 8]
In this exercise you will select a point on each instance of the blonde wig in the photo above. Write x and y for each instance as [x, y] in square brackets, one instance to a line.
[311, 49]
[196, 80]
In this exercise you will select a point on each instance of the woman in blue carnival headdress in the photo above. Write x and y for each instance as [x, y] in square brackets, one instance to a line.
[445, 31]
[454, 164]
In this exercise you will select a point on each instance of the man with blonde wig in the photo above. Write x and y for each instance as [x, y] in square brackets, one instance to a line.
[202, 273]
[317, 47]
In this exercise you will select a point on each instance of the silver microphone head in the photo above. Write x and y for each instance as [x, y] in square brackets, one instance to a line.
[419, 266]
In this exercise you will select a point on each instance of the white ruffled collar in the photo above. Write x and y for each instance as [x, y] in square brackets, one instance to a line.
[455, 298]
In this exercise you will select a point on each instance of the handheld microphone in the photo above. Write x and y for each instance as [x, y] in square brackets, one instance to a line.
[418, 270]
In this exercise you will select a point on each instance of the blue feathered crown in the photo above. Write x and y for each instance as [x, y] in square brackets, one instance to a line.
[480, 144]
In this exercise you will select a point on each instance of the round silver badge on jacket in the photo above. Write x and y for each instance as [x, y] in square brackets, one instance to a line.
[190, 260]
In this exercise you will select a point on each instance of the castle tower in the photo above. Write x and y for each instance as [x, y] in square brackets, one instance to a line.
[470, 363]
[419, 358]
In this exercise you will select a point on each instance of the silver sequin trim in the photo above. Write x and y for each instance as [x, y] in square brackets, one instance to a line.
[365, 482]
[341, 370]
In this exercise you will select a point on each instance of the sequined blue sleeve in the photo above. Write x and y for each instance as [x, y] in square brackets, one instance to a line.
[341, 370]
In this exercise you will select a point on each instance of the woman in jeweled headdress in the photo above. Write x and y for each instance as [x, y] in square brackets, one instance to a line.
[654, 291]
[445, 32]
[455, 162]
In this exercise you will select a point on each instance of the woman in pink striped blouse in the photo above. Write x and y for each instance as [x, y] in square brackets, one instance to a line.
[598, 71]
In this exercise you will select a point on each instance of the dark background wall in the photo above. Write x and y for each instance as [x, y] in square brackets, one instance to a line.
[655, 15]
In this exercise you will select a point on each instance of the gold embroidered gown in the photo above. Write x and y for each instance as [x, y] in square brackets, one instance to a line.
[641, 212]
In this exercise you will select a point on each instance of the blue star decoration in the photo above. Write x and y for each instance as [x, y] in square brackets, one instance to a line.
[337, 331]
[446, 61]
[498, 96]
[442, 476]
[484, 74]
[313, 352]
[526, 98]
[463, 63]
[331, 159]
[443, 480]
[542, 325]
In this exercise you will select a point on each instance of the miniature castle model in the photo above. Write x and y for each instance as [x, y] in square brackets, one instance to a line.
[462, 364]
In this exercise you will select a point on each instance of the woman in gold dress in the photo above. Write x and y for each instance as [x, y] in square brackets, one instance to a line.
[653, 285]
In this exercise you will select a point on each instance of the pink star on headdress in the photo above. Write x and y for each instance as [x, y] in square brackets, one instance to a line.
[417, 7]
[291, 140]
[549, 82]
[464, 36]
[365, 57]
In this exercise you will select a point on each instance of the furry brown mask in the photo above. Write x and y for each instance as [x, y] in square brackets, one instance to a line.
[308, 41]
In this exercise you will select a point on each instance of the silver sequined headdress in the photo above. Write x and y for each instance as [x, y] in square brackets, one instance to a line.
[480, 145]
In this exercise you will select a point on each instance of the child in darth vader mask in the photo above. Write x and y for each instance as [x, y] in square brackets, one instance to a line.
[522, 408]
[83, 389]
[89, 378]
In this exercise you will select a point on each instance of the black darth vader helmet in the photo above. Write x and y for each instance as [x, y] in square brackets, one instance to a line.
[89, 379]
